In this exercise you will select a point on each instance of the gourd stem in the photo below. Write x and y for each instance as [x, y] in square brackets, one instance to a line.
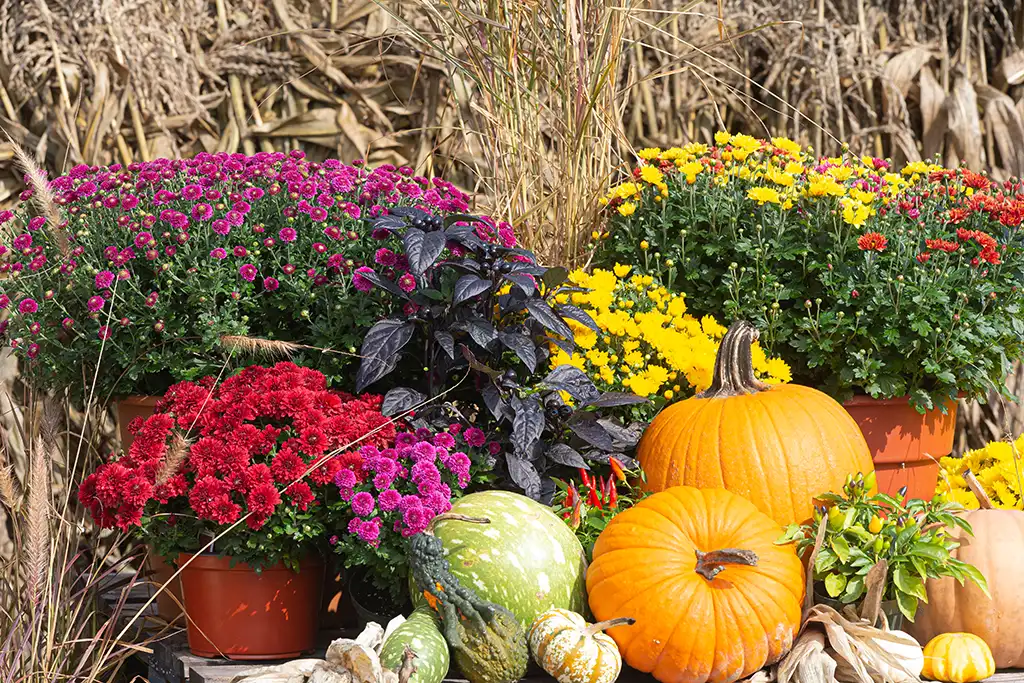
[710, 565]
[975, 486]
[605, 625]
[734, 364]
[451, 516]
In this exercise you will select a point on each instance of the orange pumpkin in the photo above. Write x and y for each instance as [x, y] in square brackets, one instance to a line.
[777, 446]
[997, 551]
[714, 598]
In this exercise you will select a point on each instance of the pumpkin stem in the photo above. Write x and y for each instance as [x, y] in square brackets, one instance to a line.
[734, 364]
[455, 518]
[710, 565]
[975, 486]
[605, 625]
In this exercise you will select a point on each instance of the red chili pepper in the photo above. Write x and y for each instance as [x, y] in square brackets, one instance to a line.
[608, 488]
[572, 495]
[620, 474]
[602, 489]
[613, 499]
[576, 510]
[584, 479]
[593, 500]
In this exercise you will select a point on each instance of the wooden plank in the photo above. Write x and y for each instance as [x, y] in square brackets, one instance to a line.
[1007, 676]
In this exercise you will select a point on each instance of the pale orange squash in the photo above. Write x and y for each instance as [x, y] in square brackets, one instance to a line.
[713, 597]
[777, 446]
[997, 551]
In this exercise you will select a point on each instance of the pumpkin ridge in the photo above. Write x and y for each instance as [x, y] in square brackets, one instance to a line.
[697, 417]
[778, 451]
[697, 593]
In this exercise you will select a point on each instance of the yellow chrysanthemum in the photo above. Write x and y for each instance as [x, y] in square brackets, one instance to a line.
[651, 175]
[787, 145]
[627, 208]
[649, 153]
[621, 270]
[763, 195]
[648, 344]
[722, 138]
[673, 153]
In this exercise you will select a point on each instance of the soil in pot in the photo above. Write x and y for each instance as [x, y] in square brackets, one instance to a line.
[235, 612]
[372, 603]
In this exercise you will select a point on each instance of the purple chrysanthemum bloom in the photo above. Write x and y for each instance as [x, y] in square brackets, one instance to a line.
[362, 503]
[95, 303]
[221, 226]
[382, 481]
[5, 301]
[416, 520]
[239, 251]
[219, 253]
[202, 212]
[36, 223]
[388, 500]
[405, 439]
[104, 332]
[361, 283]
[345, 479]
[475, 437]
[248, 272]
[444, 440]
[270, 283]
[423, 451]
[370, 531]
[28, 306]
[287, 234]
[22, 241]
[104, 279]
[235, 218]
[143, 239]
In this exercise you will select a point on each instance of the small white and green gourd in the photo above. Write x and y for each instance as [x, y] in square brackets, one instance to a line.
[573, 651]
[420, 632]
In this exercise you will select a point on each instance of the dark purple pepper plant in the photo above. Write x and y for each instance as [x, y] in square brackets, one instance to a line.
[472, 340]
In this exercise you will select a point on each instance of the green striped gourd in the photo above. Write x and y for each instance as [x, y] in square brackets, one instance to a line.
[526, 559]
[421, 633]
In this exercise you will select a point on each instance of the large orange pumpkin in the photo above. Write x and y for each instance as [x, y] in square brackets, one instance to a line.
[714, 598]
[777, 446]
[997, 551]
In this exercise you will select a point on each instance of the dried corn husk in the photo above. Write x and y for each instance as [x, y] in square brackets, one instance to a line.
[346, 661]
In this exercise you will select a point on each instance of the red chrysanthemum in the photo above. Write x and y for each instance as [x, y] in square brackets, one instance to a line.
[872, 241]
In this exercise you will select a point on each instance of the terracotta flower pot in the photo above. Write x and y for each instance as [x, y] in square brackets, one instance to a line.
[128, 409]
[169, 601]
[905, 445]
[238, 613]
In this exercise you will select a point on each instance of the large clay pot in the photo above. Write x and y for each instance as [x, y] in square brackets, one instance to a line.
[238, 613]
[905, 445]
[170, 600]
[128, 409]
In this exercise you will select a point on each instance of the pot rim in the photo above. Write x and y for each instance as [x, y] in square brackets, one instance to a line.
[221, 562]
[865, 400]
[138, 400]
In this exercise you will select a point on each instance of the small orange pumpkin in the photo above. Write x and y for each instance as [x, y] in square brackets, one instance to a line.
[957, 658]
[777, 446]
[714, 598]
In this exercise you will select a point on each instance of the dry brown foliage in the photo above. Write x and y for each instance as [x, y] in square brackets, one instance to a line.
[530, 105]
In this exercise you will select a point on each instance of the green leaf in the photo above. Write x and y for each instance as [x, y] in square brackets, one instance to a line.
[841, 548]
[975, 575]
[835, 584]
[908, 583]
[854, 590]
[907, 604]
[931, 551]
